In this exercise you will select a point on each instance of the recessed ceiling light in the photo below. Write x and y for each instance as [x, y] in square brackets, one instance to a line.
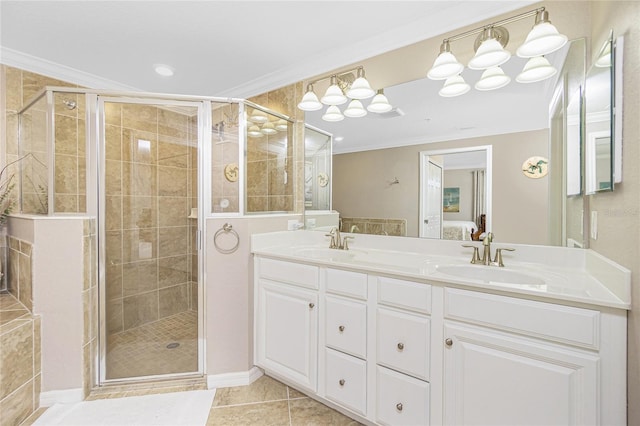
[338, 139]
[163, 70]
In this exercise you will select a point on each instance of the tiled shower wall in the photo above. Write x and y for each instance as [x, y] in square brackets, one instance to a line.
[89, 305]
[224, 154]
[266, 187]
[151, 178]
[20, 87]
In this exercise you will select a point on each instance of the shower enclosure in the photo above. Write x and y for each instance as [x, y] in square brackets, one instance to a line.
[150, 168]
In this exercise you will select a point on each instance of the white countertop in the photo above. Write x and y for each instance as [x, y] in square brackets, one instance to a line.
[555, 273]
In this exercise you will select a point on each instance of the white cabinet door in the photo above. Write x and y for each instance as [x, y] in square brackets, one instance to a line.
[492, 378]
[288, 330]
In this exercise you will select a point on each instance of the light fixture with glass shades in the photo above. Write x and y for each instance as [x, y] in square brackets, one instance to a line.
[262, 123]
[490, 53]
[345, 88]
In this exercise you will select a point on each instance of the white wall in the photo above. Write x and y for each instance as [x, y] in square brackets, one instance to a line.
[519, 204]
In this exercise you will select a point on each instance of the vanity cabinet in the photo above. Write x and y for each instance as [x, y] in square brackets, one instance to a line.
[390, 351]
[287, 321]
[514, 361]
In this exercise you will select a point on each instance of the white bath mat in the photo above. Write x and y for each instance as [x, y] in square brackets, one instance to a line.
[171, 409]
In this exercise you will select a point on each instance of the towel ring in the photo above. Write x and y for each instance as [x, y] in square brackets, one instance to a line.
[227, 228]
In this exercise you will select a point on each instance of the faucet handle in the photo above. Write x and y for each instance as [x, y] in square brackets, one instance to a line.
[498, 258]
[332, 244]
[475, 258]
[487, 239]
[345, 242]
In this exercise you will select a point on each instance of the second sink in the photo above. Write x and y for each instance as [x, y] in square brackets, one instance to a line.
[490, 274]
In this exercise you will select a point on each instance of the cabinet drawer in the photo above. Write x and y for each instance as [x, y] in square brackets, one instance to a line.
[288, 272]
[404, 294]
[346, 381]
[347, 283]
[403, 342]
[346, 325]
[564, 324]
[401, 400]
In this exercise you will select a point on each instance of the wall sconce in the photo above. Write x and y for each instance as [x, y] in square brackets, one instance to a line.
[343, 88]
[489, 46]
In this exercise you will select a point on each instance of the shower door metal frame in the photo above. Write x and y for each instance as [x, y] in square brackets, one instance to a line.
[96, 133]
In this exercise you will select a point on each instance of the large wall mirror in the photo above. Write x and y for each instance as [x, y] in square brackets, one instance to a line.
[376, 167]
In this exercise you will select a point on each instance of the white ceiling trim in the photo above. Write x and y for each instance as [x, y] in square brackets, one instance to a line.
[23, 61]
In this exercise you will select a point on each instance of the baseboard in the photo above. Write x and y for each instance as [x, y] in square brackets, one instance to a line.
[227, 380]
[67, 396]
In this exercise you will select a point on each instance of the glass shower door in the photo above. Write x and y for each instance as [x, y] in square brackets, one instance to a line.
[149, 257]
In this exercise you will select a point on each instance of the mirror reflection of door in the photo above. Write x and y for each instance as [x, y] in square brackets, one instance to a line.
[455, 193]
[431, 220]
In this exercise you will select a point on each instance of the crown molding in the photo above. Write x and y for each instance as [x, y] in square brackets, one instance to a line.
[23, 61]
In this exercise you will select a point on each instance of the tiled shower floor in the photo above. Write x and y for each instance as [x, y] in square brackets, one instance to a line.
[143, 351]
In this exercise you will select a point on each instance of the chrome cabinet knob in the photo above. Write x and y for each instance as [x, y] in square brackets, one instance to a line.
[341, 382]
[400, 346]
[341, 328]
[312, 305]
[399, 406]
[448, 342]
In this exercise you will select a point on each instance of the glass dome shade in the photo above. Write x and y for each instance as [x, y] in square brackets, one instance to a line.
[493, 78]
[454, 86]
[490, 54]
[254, 132]
[446, 65]
[333, 96]
[536, 69]
[543, 39]
[360, 89]
[282, 124]
[258, 116]
[268, 129]
[604, 60]
[355, 109]
[310, 102]
[333, 114]
[379, 104]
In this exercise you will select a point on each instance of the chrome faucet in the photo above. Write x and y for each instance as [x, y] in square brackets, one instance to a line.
[337, 242]
[486, 253]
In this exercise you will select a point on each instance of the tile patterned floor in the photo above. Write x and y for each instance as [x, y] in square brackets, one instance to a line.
[143, 351]
[265, 402]
[269, 402]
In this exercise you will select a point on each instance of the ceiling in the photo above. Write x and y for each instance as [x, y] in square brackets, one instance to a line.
[235, 48]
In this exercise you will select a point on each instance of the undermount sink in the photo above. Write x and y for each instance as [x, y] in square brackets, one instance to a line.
[325, 253]
[490, 274]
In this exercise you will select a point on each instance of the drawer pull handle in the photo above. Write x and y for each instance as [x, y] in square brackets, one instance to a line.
[341, 382]
[312, 305]
[399, 406]
[341, 328]
[448, 342]
[400, 347]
